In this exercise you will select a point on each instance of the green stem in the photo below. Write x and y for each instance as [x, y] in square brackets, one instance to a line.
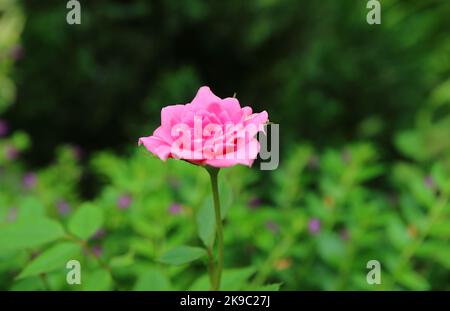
[211, 268]
[213, 173]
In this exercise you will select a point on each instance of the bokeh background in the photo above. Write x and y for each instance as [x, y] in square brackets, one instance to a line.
[364, 143]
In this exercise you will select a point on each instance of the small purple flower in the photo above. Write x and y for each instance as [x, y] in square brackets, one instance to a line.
[272, 227]
[314, 226]
[11, 152]
[97, 250]
[29, 181]
[77, 152]
[124, 201]
[63, 208]
[254, 202]
[175, 209]
[4, 128]
[16, 53]
[429, 182]
[100, 233]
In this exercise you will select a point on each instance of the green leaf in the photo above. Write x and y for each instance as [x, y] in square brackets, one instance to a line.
[51, 259]
[28, 284]
[97, 280]
[30, 209]
[410, 144]
[152, 279]
[206, 224]
[206, 219]
[397, 232]
[440, 230]
[440, 177]
[29, 234]
[413, 280]
[269, 287]
[435, 251]
[86, 221]
[122, 261]
[232, 279]
[330, 247]
[235, 279]
[21, 140]
[200, 284]
[226, 198]
[182, 254]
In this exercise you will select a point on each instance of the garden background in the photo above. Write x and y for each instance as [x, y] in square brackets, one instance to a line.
[364, 114]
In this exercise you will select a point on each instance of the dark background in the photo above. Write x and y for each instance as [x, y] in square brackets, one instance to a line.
[317, 67]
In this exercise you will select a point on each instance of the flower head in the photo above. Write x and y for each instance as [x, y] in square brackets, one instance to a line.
[429, 182]
[77, 152]
[314, 226]
[16, 52]
[100, 233]
[63, 207]
[208, 131]
[272, 227]
[124, 201]
[29, 180]
[254, 202]
[97, 251]
[11, 152]
[175, 209]
[4, 128]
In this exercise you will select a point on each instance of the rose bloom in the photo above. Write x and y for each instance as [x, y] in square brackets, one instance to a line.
[208, 131]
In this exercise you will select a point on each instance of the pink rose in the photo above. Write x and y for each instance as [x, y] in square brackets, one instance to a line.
[208, 131]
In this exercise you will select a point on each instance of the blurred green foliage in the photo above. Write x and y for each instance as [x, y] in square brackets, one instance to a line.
[365, 124]
[127, 237]
[11, 24]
